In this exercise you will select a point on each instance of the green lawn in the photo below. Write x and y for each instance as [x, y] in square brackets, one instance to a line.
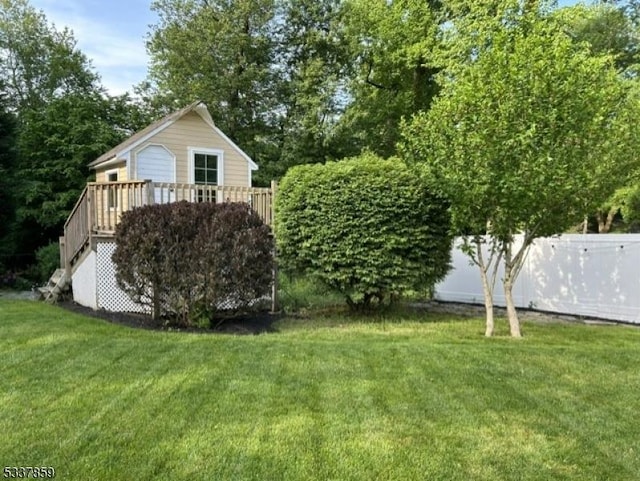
[404, 399]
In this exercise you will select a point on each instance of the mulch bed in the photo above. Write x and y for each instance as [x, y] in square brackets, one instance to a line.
[255, 323]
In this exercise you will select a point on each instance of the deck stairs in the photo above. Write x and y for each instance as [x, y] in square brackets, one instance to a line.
[57, 285]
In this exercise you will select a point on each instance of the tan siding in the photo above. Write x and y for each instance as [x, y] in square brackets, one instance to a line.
[101, 172]
[192, 131]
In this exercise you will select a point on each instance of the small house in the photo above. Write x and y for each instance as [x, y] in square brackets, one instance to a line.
[182, 156]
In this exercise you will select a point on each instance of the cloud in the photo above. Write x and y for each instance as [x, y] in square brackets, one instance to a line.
[112, 41]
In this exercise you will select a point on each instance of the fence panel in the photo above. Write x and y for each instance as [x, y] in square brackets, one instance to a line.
[593, 275]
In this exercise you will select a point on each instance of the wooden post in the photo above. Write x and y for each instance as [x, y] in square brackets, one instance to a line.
[91, 215]
[274, 289]
[150, 200]
[91, 206]
[63, 256]
[272, 213]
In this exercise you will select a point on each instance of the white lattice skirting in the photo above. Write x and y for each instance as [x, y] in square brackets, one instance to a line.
[94, 284]
[110, 296]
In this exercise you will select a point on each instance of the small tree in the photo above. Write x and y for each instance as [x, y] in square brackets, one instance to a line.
[524, 140]
[186, 260]
[366, 227]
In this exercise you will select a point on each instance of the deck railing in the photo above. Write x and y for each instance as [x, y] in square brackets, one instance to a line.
[101, 205]
[77, 230]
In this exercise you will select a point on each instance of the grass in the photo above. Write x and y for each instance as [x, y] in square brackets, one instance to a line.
[403, 397]
[303, 294]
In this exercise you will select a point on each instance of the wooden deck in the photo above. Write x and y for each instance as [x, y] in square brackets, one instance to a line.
[101, 205]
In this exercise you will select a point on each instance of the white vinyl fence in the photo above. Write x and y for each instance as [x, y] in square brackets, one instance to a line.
[593, 275]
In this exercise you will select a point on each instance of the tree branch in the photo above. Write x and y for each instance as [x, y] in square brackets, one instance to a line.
[371, 82]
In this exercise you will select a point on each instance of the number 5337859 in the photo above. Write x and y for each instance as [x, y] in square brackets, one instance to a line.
[22, 472]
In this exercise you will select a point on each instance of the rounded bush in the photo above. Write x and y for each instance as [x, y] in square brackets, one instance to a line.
[190, 260]
[366, 227]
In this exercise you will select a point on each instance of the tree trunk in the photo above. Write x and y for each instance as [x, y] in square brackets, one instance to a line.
[488, 270]
[604, 225]
[512, 314]
[487, 288]
[512, 265]
[488, 305]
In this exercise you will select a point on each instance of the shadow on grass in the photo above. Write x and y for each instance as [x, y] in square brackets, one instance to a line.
[399, 313]
[245, 324]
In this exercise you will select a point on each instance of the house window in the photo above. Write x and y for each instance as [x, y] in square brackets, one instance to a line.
[205, 169]
[206, 165]
[112, 196]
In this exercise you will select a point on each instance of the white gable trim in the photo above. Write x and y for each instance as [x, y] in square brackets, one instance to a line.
[202, 111]
[127, 159]
[204, 114]
[111, 162]
[144, 139]
[252, 164]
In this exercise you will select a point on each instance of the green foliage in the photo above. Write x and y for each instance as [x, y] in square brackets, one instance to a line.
[222, 53]
[470, 27]
[366, 227]
[303, 293]
[189, 261]
[61, 121]
[47, 261]
[611, 29]
[530, 136]
[271, 73]
[7, 202]
[630, 208]
[527, 137]
[312, 59]
[608, 30]
[621, 212]
[393, 76]
[56, 144]
[38, 62]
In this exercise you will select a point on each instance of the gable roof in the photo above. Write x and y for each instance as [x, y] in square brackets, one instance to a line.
[142, 136]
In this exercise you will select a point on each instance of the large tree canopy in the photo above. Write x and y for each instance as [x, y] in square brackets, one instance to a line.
[222, 53]
[270, 72]
[7, 160]
[312, 61]
[38, 62]
[393, 47]
[613, 30]
[57, 119]
[525, 140]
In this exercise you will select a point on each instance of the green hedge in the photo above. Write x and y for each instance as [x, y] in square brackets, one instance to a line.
[366, 227]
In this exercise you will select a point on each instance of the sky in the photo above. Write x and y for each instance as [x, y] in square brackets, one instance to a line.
[112, 35]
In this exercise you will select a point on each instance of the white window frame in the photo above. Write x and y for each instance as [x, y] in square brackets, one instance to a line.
[199, 150]
[112, 202]
[107, 173]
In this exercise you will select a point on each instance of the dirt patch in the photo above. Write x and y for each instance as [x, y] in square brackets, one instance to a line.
[256, 323]
[263, 322]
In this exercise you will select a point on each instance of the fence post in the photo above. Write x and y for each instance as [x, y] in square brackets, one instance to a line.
[92, 212]
[151, 199]
[62, 252]
[274, 289]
